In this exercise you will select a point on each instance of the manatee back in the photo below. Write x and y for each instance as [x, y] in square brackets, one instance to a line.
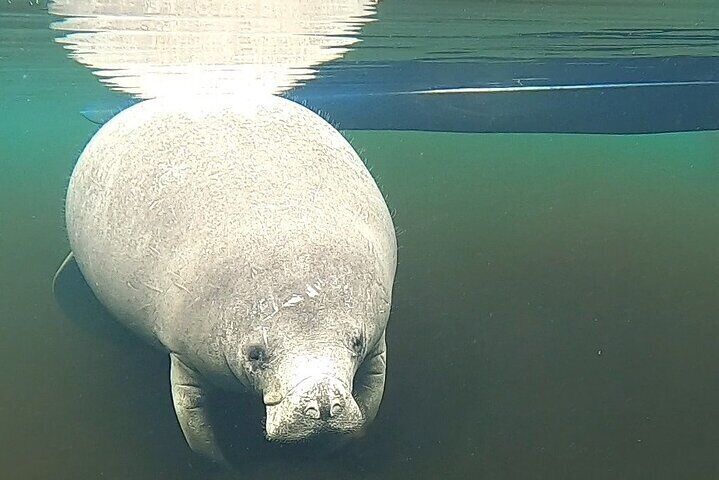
[168, 186]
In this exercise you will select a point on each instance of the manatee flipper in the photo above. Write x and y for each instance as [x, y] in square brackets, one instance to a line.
[191, 406]
[369, 381]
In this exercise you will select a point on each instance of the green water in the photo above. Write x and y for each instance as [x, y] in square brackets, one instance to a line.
[528, 29]
[555, 313]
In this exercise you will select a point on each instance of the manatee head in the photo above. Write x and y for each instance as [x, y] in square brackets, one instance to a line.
[302, 351]
[302, 363]
[295, 334]
[295, 324]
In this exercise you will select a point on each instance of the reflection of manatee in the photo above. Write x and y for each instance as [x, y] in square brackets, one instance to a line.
[152, 48]
[247, 239]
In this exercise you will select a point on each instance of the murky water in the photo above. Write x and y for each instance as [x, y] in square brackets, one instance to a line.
[555, 311]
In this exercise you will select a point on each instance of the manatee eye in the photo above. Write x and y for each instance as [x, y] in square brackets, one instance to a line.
[257, 356]
[357, 344]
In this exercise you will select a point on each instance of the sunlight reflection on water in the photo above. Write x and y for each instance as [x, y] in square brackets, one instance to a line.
[161, 47]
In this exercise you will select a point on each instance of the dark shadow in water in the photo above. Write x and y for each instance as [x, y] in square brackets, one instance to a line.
[560, 95]
[79, 304]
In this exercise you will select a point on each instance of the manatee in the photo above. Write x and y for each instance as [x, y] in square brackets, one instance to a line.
[245, 237]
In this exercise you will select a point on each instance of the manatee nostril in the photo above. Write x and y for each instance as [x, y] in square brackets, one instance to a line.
[336, 408]
[312, 412]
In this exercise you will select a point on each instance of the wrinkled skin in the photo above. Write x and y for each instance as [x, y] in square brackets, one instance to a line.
[302, 355]
[245, 237]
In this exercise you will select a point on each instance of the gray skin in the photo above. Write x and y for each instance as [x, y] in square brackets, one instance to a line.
[246, 238]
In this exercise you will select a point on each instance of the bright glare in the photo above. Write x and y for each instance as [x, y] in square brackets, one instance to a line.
[153, 48]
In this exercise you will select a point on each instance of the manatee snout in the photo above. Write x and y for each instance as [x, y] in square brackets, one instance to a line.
[315, 406]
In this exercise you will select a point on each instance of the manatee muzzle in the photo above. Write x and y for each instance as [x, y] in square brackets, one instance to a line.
[316, 405]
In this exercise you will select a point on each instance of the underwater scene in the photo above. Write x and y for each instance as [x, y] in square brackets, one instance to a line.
[359, 239]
